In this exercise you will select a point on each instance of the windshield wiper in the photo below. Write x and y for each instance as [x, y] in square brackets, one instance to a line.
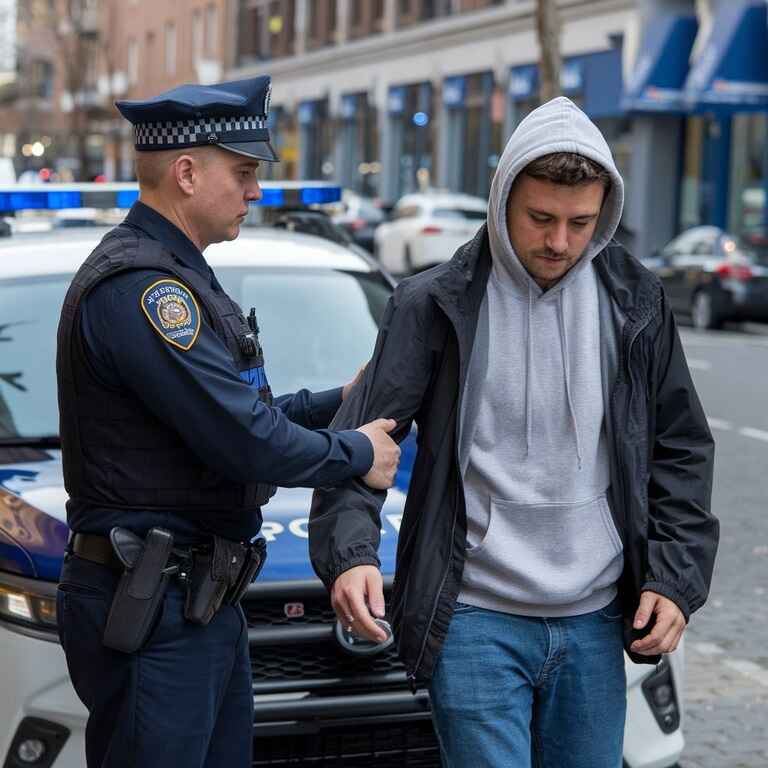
[45, 441]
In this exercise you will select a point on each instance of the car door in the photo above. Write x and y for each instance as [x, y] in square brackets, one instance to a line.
[682, 263]
[392, 237]
[694, 265]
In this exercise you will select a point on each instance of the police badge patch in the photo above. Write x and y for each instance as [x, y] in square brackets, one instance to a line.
[172, 311]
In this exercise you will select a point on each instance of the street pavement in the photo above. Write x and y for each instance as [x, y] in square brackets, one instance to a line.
[726, 695]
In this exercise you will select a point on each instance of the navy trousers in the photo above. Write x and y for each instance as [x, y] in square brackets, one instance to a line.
[184, 700]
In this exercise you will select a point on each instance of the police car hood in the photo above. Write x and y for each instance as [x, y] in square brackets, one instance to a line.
[33, 530]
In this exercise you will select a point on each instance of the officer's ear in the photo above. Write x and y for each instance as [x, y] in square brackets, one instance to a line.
[186, 174]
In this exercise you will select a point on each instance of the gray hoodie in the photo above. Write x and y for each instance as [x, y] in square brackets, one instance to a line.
[533, 450]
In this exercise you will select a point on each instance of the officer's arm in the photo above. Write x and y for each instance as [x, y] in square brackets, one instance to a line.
[198, 393]
[313, 410]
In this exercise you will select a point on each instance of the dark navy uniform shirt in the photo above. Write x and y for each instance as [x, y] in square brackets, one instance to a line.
[199, 392]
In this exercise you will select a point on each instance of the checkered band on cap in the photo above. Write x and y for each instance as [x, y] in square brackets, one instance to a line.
[190, 132]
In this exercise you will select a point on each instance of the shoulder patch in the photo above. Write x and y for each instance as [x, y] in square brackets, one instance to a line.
[172, 311]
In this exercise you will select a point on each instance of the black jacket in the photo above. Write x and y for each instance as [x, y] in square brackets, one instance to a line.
[661, 449]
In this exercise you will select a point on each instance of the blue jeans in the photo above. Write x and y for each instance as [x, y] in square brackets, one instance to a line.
[518, 691]
[184, 701]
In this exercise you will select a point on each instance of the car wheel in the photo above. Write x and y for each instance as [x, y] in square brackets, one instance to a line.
[704, 313]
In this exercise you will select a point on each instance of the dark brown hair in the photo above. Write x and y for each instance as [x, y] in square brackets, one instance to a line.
[569, 169]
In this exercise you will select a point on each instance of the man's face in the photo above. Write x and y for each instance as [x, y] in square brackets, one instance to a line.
[550, 225]
[227, 184]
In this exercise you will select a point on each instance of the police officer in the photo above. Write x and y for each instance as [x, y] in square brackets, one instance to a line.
[168, 422]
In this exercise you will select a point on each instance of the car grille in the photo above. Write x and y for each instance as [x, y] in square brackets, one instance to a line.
[299, 656]
[318, 660]
[311, 659]
[270, 612]
[405, 745]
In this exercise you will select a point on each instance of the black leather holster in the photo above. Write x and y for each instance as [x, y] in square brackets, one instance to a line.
[141, 589]
[221, 574]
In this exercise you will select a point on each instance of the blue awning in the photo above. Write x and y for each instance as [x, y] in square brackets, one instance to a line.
[662, 66]
[732, 71]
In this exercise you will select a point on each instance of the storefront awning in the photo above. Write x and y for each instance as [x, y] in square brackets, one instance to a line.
[732, 71]
[656, 85]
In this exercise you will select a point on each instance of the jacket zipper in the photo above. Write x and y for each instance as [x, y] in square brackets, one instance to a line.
[633, 339]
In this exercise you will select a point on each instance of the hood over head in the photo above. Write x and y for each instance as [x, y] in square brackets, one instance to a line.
[557, 126]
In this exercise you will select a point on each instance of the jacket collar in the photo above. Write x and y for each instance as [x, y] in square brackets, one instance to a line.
[462, 281]
[636, 291]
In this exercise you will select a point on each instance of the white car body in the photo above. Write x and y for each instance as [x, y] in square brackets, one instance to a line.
[427, 229]
[33, 673]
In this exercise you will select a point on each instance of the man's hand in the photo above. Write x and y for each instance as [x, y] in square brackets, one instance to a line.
[348, 387]
[386, 454]
[668, 629]
[349, 595]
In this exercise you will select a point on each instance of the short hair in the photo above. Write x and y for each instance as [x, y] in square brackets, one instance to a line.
[151, 166]
[569, 169]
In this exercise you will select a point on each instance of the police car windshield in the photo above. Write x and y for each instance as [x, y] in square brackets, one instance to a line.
[318, 327]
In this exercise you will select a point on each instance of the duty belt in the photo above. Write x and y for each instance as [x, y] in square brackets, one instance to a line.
[99, 549]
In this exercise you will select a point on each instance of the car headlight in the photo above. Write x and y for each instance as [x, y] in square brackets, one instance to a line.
[27, 603]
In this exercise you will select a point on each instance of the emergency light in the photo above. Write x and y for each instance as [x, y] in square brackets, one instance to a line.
[56, 197]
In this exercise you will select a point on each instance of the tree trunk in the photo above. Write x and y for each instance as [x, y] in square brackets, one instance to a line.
[548, 28]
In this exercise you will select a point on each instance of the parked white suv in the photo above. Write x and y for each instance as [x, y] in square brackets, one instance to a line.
[426, 229]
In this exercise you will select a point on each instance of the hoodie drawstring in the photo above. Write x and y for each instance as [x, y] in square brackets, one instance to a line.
[566, 372]
[529, 377]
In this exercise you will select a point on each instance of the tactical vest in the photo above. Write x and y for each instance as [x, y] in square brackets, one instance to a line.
[115, 452]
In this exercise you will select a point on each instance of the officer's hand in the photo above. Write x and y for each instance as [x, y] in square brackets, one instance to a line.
[348, 387]
[352, 594]
[668, 629]
[386, 454]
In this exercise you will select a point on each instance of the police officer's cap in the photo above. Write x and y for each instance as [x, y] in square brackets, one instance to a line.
[230, 115]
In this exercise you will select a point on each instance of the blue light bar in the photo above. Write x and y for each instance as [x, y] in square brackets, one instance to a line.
[48, 200]
[125, 198]
[272, 197]
[53, 197]
[320, 195]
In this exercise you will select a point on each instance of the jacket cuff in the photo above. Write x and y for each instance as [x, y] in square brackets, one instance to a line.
[352, 562]
[666, 590]
[323, 406]
[362, 452]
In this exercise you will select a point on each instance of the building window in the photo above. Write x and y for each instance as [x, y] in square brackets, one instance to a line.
[212, 29]
[322, 23]
[42, 78]
[133, 62]
[749, 174]
[170, 48]
[198, 35]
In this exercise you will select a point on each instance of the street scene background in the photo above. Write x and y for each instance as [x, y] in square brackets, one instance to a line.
[402, 101]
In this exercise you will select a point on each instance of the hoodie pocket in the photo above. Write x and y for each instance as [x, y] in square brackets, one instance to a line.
[546, 554]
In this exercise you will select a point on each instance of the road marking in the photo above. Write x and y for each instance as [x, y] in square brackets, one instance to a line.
[744, 341]
[744, 667]
[719, 423]
[700, 365]
[708, 649]
[749, 669]
[757, 434]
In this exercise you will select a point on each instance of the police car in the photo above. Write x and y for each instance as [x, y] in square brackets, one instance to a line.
[319, 700]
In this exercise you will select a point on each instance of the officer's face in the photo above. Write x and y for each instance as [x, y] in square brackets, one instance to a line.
[229, 183]
[550, 225]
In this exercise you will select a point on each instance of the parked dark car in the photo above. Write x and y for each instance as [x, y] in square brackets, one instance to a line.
[712, 276]
[359, 216]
